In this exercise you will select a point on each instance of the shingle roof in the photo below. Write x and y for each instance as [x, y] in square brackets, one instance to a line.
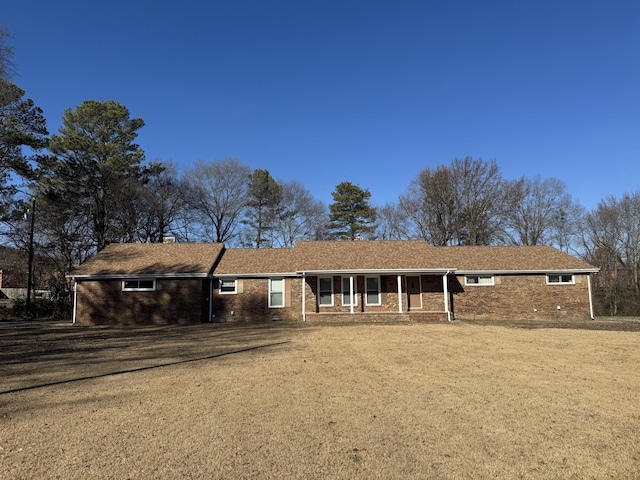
[151, 258]
[365, 255]
[417, 254]
[247, 261]
[331, 256]
[510, 258]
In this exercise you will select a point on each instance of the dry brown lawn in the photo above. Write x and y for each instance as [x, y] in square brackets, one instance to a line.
[319, 402]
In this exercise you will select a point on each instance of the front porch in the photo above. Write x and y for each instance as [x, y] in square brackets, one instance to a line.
[379, 317]
[378, 296]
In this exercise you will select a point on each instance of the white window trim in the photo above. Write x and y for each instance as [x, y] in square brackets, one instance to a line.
[272, 291]
[355, 291]
[235, 286]
[331, 283]
[138, 289]
[366, 293]
[479, 284]
[560, 282]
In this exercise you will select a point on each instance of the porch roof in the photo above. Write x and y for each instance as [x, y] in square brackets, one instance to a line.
[392, 256]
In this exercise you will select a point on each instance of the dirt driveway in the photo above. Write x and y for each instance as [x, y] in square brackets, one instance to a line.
[316, 402]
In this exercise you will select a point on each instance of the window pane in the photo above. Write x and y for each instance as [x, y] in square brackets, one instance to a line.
[567, 278]
[227, 286]
[144, 285]
[277, 284]
[373, 291]
[276, 295]
[554, 278]
[325, 294]
[325, 284]
[276, 299]
[325, 298]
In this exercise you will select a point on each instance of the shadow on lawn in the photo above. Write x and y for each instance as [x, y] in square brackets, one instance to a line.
[47, 356]
[139, 369]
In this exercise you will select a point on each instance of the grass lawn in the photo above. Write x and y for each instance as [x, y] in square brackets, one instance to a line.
[278, 401]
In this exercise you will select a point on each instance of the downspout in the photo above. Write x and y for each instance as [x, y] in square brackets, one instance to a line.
[304, 297]
[75, 301]
[210, 299]
[590, 298]
[399, 294]
[445, 288]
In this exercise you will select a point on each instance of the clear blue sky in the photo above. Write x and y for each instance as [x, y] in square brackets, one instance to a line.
[366, 91]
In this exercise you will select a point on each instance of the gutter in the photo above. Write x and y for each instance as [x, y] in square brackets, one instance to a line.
[120, 276]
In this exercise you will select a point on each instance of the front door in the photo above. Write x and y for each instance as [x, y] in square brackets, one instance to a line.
[414, 292]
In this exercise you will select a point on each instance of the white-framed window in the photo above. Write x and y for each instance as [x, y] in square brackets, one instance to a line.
[228, 285]
[325, 291]
[139, 285]
[478, 280]
[276, 292]
[372, 286]
[557, 279]
[346, 292]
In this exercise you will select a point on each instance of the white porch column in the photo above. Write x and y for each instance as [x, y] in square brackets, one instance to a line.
[351, 293]
[75, 300]
[399, 293]
[210, 300]
[590, 299]
[304, 298]
[445, 288]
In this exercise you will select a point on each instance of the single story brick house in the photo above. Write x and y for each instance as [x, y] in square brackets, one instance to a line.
[329, 281]
[146, 283]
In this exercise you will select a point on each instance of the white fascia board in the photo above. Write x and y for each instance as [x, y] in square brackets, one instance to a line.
[388, 271]
[526, 272]
[256, 275]
[120, 276]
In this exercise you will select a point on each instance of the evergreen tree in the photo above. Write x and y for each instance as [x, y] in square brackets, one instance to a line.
[350, 215]
[264, 195]
[96, 169]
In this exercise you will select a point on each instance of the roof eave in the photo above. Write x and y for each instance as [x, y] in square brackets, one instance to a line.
[377, 271]
[255, 275]
[524, 271]
[118, 276]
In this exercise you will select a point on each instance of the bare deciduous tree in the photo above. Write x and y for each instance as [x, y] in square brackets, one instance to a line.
[612, 241]
[458, 204]
[393, 223]
[536, 212]
[298, 216]
[217, 197]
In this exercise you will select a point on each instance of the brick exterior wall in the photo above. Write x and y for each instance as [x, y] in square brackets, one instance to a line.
[184, 301]
[175, 301]
[523, 297]
[250, 303]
